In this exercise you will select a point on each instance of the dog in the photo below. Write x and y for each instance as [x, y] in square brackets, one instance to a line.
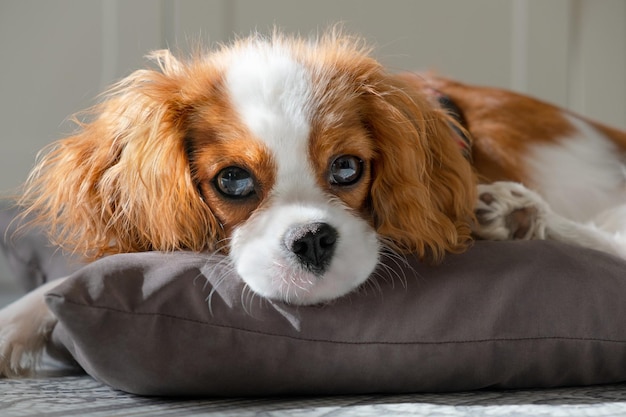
[306, 162]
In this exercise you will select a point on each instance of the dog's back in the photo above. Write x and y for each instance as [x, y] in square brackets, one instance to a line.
[575, 164]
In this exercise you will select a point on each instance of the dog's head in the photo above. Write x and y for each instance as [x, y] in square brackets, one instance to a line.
[301, 159]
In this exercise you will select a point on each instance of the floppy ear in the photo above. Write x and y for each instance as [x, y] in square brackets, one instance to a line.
[423, 189]
[123, 182]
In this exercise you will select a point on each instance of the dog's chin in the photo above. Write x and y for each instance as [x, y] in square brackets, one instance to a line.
[273, 271]
[297, 286]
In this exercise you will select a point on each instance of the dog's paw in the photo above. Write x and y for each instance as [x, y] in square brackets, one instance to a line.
[25, 327]
[508, 210]
[16, 360]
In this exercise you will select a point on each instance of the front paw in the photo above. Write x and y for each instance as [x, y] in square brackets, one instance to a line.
[15, 358]
[25, 327]
[508, 210]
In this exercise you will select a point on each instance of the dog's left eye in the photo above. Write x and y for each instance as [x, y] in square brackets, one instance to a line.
[345, 170]
[235, 182]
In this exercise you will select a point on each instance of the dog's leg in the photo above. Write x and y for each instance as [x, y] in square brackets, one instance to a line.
[25, 327]
[508, 210]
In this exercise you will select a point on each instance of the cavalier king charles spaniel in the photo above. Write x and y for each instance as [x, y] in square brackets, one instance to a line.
[305, 162]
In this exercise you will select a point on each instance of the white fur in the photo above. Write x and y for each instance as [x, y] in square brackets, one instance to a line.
[25, 327]
[272, 94]
[579, 176]
[580, 194]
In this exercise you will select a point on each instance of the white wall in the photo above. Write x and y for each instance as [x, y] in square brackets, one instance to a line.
[57, 55]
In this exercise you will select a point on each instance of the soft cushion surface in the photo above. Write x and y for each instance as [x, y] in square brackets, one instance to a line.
[504, 314]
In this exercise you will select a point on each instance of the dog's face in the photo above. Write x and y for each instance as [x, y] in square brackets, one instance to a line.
[287, 176]
[301, 160]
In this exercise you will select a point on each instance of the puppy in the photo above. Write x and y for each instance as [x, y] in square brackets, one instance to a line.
[305, 162]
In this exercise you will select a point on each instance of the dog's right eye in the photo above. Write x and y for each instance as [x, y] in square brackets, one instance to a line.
[234, 182]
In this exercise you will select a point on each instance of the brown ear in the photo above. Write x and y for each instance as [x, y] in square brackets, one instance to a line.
[123, 183]
[423, 189]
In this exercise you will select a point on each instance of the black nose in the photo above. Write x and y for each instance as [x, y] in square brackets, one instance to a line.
[313, 244]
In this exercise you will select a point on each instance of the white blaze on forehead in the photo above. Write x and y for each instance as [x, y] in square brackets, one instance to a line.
[271, 92]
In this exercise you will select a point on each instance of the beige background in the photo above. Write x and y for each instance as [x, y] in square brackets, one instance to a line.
[57, 55]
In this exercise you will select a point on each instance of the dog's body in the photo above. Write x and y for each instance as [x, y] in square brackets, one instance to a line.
[575, 168]
[306, 162]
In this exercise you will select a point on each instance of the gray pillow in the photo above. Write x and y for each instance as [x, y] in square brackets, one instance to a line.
[502, 315]
[31, 258]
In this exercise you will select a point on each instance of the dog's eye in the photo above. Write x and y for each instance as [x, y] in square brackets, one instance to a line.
[234, 182]
[345, 170]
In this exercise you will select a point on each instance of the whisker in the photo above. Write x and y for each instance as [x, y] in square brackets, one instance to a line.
[401, 262]
[247, 295]
[392, 275]
[374, 284]
[219, 272]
